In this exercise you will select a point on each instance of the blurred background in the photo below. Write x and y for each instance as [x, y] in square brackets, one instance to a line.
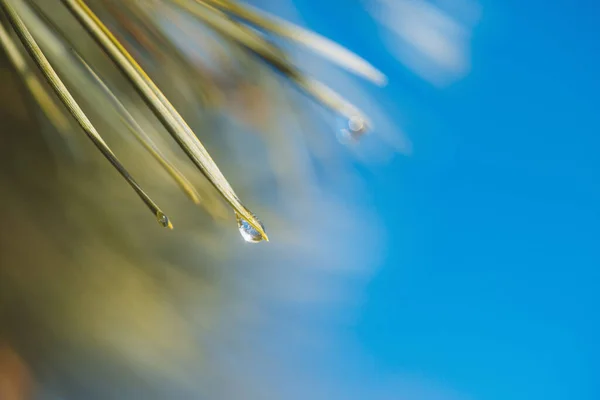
[449, 254]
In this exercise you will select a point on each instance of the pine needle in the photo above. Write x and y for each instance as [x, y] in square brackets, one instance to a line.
[162, 108]
[67, 99]
[317, 43]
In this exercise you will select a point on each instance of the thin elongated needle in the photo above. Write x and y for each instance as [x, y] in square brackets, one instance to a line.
[143, 138]
[249, 39]
[126, 117]
[33, 83]
[135, 18]
[65, 96]
[161, 107]
[319, 44]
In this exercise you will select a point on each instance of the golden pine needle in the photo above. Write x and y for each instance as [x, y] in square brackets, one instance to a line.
[317, 43]
[33, 83]
[67, 99]
[249, 39]
[143, 138]
[161, 107]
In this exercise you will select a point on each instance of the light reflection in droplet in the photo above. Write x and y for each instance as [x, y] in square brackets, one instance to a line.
[249, 234]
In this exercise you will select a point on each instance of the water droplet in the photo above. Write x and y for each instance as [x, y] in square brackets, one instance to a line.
[249, 234]
[354, 128]
[357, 126]
[163, 220]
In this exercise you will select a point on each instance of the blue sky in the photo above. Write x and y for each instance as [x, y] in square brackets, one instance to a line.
[490, 282]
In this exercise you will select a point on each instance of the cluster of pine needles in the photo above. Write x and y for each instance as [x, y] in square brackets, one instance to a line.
[239, 24]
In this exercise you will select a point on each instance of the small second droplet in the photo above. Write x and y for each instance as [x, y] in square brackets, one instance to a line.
[354, 128]
[163, 220]
[249, 234]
